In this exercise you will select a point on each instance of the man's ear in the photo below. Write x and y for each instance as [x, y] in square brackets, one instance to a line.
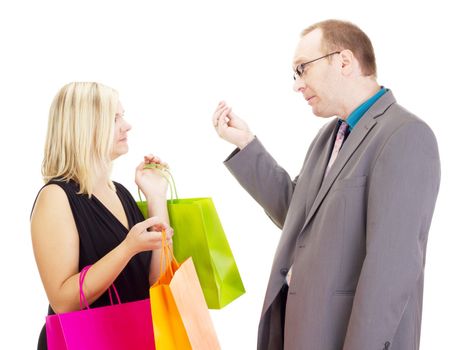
[348, 62]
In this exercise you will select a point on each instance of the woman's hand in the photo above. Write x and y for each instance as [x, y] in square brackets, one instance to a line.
[147, 235]
[151, 180]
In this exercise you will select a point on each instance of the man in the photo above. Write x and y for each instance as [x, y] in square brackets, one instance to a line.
[348, 271]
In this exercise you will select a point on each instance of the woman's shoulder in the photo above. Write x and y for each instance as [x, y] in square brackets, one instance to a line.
[56, 190]
[53, 189]
[52, 196]
[66, 185]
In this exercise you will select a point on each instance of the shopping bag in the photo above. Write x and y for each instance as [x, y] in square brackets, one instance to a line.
[180, 314]
[198, 233]
[117, 326]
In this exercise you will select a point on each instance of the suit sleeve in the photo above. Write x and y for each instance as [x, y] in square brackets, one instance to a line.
[267, 182]
[402, 190]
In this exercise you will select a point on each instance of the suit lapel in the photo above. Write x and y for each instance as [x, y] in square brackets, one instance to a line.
[317, 170]
[352, 143]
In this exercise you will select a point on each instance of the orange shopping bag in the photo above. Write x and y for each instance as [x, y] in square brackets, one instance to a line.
[180, 315]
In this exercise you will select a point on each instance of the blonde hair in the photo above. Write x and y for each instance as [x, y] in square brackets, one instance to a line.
[80, 134]
[340, 35]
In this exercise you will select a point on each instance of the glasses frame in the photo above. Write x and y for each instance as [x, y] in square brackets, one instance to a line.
[300, 69]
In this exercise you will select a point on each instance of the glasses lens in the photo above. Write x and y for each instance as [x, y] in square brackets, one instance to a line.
[298, 72]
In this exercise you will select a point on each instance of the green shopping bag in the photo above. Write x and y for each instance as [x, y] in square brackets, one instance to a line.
[198, 233]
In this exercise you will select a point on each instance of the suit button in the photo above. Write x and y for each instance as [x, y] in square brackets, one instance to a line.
[386, 345]
[284, 271]
[301, 246]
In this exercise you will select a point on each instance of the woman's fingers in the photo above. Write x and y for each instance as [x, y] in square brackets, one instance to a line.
[152, 159]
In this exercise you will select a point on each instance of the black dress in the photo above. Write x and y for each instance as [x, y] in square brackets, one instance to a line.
[100, 232]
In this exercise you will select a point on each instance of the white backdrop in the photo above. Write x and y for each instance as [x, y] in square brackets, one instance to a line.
[172, 62]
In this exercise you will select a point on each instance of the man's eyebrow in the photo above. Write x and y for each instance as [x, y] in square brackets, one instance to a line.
[299, 60]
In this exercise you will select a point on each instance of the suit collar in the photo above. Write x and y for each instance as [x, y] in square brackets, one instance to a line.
[381, 105]
[360, 111]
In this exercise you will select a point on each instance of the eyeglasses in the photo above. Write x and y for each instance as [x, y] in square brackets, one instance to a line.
[301, 67]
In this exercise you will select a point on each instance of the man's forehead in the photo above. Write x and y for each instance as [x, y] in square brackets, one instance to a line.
[308, 47]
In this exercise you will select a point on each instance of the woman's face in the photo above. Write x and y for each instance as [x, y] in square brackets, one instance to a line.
[120, 144]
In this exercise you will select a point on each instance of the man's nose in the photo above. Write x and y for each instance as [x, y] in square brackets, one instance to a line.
[298, 85]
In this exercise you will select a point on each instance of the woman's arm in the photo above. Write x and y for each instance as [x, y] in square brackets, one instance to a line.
[56, 248]
[154, 186]
[157, 207]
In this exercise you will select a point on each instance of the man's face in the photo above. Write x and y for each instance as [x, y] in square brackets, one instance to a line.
[320, 80]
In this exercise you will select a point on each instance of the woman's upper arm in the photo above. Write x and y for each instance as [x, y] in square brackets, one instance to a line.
[55, 242]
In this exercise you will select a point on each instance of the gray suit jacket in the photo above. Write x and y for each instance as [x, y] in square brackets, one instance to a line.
[356, 239]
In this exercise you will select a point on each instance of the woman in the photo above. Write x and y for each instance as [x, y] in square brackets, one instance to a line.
[82, 218]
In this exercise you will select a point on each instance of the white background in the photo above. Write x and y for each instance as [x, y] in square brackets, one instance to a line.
[172, 61]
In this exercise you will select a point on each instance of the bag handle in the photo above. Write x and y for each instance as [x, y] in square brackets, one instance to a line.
[82, 298]
[167, 175]
[167, 256]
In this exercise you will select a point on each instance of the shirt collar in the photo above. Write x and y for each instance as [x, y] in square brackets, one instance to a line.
[355, 116]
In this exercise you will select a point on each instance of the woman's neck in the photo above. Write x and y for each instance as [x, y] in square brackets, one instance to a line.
[101, 181]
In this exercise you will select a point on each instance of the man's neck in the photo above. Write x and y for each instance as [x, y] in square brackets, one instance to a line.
[358, 94]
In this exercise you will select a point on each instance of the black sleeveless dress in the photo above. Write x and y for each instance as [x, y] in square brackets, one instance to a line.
[100, 232]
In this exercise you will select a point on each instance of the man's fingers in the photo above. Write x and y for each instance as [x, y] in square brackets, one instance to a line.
[224, 117]
[216, 118]
[215, 115]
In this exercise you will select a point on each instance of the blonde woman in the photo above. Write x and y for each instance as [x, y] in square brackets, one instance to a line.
[81, 217]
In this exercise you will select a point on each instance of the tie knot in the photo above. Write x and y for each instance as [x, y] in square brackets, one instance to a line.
[342, 129]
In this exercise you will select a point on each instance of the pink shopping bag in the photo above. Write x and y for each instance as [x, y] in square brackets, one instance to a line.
[117, 327]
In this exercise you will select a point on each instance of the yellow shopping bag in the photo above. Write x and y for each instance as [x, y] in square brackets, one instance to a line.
[180, 315]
